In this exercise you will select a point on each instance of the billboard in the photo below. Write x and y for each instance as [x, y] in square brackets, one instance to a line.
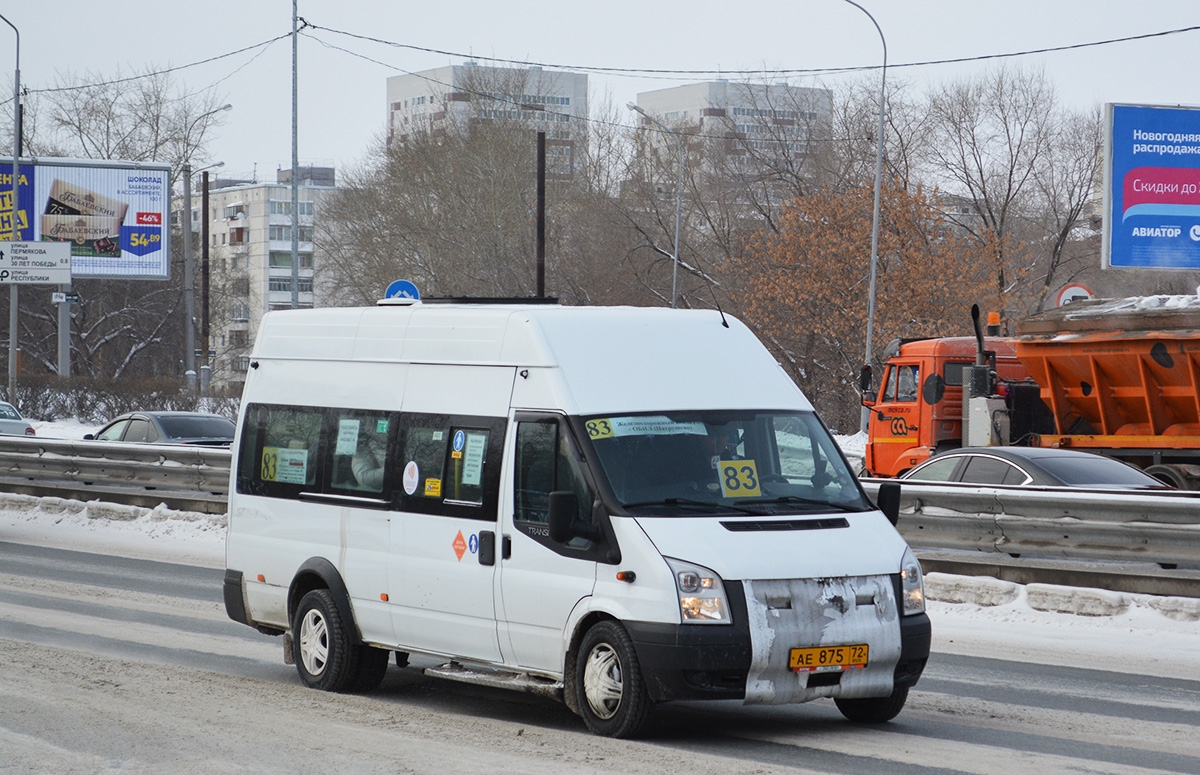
[113, 214]
[1152, 187]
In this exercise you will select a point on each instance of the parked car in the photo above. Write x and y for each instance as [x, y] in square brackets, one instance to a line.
[210, 430]
[1032, 466]
[12, 423]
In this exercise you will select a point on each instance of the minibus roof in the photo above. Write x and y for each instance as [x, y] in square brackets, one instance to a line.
[611, 358]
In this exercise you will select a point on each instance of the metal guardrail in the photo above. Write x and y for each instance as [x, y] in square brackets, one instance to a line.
[1131, 541]
[1009, 532]
[1138, 526]
[188, 477]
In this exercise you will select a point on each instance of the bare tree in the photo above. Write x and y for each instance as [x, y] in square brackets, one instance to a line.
[451, 205]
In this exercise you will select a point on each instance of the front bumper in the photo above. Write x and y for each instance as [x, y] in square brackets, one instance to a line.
[727, 662]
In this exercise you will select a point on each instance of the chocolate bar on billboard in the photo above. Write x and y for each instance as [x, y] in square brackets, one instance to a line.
[92, 235]
[71, 199]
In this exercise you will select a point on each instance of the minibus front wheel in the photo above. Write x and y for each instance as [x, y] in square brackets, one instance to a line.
[608, 681]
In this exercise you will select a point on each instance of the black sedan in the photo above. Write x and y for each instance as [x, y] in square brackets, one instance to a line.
[211, 430]
[1031, 466]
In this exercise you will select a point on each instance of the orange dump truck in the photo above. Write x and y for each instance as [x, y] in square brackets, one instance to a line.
[1119, 377]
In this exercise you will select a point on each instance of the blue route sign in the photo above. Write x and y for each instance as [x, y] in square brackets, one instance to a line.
[402, 289]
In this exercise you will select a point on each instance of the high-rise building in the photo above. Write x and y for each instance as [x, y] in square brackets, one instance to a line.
[461, 95]
[250, 260]
[768, 119]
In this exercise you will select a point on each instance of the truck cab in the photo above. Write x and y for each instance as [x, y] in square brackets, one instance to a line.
[918, 410]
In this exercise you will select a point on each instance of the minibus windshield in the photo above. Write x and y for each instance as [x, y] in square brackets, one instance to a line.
[710, 462]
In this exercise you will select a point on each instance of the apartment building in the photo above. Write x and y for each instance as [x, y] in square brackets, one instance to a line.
[467, 95]
[773, 118]
[250, 260]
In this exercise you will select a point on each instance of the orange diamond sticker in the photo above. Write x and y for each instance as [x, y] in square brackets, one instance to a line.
[460, 545]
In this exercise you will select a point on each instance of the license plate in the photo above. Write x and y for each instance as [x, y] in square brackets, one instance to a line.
[828, 658]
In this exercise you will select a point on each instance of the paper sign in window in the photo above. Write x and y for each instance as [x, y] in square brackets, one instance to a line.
[472, 466]
[347, 438]
[292, 466]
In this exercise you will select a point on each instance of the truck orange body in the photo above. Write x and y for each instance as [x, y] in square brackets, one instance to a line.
[1117, 377]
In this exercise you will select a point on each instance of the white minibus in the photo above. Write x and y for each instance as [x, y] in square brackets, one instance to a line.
[613, 506]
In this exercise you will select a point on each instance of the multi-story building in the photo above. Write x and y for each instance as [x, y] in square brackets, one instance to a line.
[250, 260]
[757, 120]
[461, 95]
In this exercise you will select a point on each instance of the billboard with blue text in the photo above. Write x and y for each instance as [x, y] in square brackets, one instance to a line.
[114, 214]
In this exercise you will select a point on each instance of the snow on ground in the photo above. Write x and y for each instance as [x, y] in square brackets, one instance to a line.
[975, 616]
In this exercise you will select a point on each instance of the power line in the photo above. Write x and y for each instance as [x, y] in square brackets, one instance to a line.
[164, 71]
[799, 71]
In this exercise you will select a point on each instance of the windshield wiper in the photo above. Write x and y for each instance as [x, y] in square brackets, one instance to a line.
[693, 504]
[807, 501]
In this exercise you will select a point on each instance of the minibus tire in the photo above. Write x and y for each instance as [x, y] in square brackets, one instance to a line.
[608, 682]
[325, 658]
[873, 710]
[372, 666]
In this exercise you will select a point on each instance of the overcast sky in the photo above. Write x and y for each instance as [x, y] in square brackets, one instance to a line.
[343, 100]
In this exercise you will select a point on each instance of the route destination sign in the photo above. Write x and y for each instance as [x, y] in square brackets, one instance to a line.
[35, 263]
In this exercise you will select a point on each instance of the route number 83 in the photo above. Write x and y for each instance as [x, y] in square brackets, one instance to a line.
[739, 479]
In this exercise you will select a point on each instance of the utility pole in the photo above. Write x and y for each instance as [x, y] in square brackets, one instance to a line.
[295, 169]
[16, 177]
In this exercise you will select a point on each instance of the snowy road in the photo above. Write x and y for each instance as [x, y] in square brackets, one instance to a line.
[123, 665]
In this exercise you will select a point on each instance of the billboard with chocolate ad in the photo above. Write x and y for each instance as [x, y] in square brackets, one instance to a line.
[113, 214]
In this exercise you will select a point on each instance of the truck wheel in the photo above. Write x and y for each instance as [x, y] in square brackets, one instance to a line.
[325, 658]
[874, 710]
[608, 681]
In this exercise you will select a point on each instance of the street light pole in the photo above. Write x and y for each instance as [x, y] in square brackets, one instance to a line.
[16, 173]
[678, 194]
[866, 413]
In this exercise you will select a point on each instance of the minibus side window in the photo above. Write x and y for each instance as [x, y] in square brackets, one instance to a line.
[535, 464]
[464, 469]
[450, 465]
[360, 447]
[544, 463]
[247, 481]
[288, 458]
[425, 446]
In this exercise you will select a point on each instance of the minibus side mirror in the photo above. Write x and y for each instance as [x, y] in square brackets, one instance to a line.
[564, 518]
[888, 501]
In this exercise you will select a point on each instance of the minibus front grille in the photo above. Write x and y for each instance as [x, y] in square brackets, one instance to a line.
[828, 523]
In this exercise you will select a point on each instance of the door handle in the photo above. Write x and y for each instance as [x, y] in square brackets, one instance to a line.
[487, 547]
[506, 547]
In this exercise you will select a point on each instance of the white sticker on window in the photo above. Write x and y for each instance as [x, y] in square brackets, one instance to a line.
[437, 435]
[472, 470]
[412, 475]
[652, 426]
[292, 466]
[347, 438]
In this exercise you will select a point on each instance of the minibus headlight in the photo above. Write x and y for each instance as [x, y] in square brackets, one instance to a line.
[912, 585]
[701, 594]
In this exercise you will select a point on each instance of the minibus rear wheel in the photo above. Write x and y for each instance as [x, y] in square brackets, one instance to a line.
[874, 710]
[325, 657]
[609, 683]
